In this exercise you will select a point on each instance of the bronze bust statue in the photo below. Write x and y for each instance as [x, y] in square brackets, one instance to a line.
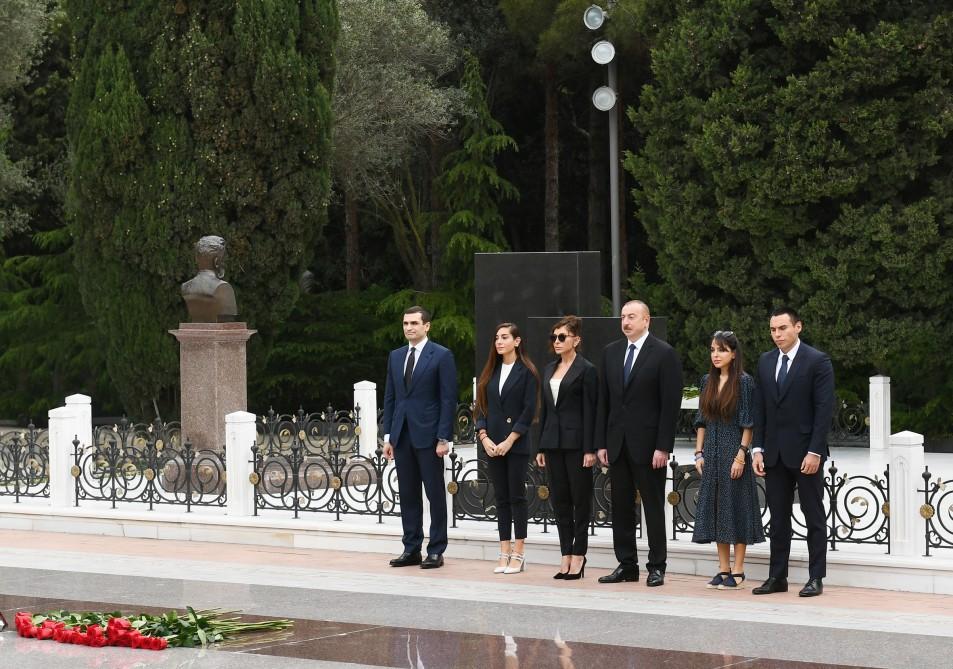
[208, 298]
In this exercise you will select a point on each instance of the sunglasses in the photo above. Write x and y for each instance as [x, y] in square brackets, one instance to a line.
[723, 333]
[562, 336]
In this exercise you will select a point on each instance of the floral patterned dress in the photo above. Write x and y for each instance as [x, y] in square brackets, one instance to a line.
[727, 511]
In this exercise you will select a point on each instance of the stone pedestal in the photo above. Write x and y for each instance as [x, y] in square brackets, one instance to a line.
[213, 379]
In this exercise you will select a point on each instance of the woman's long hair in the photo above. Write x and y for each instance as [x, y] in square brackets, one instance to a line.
[494, 359]
[716, 405]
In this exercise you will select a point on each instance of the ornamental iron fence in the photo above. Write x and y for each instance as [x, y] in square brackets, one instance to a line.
[316, 434]
[463, 424]
[850, 424]
[25, 463]
[338, 483]
[147, 464]
[937, 511]
[857, 507]
[474, 495]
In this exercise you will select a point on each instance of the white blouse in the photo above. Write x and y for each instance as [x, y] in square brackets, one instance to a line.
[554, 386]
[505, 372]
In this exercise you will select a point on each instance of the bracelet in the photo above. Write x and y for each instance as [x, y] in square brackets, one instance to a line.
[699, 455]
[740, 461]
[744, 447]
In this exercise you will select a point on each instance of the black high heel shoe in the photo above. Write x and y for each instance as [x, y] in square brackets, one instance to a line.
[576, 577]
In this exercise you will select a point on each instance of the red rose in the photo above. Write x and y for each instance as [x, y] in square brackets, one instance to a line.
[45, 633]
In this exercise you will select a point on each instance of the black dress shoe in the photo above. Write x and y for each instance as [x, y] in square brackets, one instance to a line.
[559, 575]
[656, 578]
[813, 588]
[405, 560]
[432, 562]
[621, 574]
[771, 585]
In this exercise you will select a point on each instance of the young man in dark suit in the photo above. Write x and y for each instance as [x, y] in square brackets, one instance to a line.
[420, 399]
[794, 403]
[640, 394]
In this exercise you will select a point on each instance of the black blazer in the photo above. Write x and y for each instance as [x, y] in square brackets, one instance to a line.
[569, 423]
[513, 410]
[642, 413]
[795, 419]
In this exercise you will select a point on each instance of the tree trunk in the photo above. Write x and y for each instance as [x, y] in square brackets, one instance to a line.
[435, 205]
[352, 249]
[551, 205]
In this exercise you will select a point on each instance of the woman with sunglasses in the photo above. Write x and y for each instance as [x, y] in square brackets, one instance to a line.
[727, 511]
[507, 398]
[566, 448]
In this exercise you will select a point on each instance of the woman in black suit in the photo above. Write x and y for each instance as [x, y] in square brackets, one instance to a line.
[566, 448]
[506, 404]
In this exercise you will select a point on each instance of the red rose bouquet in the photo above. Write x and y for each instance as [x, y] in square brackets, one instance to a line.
[194, 628]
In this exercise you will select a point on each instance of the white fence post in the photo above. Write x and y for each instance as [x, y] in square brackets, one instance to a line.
[239, 438]
[879, 413]
[906, 476]
[67, 423]
[365, 396]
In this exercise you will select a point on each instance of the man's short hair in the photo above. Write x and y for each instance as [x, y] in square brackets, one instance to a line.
[424, 314]
[210, 245]
[786, 311]
[641, 304]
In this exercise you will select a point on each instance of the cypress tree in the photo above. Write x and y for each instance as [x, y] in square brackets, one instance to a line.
[806, 157]
[188, 119]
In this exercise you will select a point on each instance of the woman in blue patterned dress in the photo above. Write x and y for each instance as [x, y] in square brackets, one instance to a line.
[727, 512]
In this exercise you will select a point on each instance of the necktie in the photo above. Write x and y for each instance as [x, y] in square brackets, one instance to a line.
[783, 372]
[409, 369]
[629, 359]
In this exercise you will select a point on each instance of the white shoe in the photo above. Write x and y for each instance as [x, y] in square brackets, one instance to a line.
[515, 557]
[502, 570]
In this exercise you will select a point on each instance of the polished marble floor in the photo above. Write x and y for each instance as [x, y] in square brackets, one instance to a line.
[351, 610]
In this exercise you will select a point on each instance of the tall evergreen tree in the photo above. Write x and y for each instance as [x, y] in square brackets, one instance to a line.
[23, 25]
[388, 100]
[807, 157]
[48, 348]
[189, 119]
[470, 186]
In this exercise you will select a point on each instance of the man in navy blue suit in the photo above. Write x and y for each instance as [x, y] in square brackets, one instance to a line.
[420, 400]
[794, 403]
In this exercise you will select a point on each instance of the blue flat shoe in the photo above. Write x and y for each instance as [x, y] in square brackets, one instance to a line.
[718, 579]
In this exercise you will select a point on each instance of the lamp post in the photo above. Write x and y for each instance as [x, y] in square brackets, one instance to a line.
[604, 98]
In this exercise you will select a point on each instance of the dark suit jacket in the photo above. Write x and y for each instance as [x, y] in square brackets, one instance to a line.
[643, 413]
[570, 422]
[511, 410]
[428, 407]
[795, 419]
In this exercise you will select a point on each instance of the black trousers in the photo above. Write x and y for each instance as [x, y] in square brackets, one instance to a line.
[571, 497]
[508, 474]
[416, 467]
[780, 482]
[626, 478]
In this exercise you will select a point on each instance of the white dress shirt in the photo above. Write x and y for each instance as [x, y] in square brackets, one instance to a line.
[639, 343]
[790, 354]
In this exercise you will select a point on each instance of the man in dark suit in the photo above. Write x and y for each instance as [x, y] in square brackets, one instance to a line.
[420, 399]
[640, 394]
[794, 403]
